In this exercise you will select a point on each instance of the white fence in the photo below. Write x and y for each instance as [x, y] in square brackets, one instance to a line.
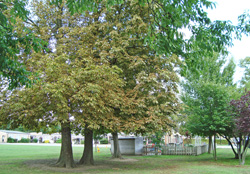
[184, 150]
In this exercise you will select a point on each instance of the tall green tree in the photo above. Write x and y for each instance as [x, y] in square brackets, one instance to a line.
[207, 112]
[206, 95]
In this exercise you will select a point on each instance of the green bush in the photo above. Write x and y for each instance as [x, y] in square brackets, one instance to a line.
[104, 141]
[221, 142]
[82, 141]
[35, 140]
[24, 140]
[59, 141]
[218, 141]
[11, 140]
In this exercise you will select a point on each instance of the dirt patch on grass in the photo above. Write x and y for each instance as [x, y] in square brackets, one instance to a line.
[49, 165]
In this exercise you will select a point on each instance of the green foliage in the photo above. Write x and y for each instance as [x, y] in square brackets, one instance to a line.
[35, 140]
[24, 140]
[169, 17]
[104, 141]
[13, 42]
[82, 141]
[166, 19]
[245, 81]
[207, 112]
[11, 140]
[208, 90]
[59, 140]
[157, 138]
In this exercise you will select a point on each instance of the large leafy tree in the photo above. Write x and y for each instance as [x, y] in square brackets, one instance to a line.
[75, 88]
[92, 42]
[150, 90]
[206, 94]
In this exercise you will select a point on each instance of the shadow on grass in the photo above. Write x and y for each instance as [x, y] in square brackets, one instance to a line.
[142, 164]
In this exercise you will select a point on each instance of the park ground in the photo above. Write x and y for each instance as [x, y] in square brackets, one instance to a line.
[24, 159]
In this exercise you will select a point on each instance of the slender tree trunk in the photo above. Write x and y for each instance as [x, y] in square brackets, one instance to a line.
[215, 155]
[236, 156]
[239, 150]
[209, 144]
[87, 157]
[66, 155]
[245, 148]
[117, 152]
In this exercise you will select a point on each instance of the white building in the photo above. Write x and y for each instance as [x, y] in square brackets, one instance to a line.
[5, 134]
[51, 138]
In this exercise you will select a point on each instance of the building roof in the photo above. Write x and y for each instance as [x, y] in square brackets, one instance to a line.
[12, 132]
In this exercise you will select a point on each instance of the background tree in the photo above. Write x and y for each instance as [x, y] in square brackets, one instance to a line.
[207, 114]
[241, 115]
[245, 81]
[206, 96]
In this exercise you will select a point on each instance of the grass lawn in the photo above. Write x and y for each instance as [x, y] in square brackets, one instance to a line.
[23, 159]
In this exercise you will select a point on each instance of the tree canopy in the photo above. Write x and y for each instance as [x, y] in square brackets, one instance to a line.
[206, 95]
[164, 33]
[12, 43]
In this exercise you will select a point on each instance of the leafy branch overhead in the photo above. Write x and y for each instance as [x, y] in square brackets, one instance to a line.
[164, 32]
[169, 18]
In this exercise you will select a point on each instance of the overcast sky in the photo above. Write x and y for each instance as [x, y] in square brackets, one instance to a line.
[230, 10]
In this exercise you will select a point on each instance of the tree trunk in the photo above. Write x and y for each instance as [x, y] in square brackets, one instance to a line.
[117, 152]
[87, 157]
[209, 144]
[66, 155]
[245, 148]
[215, 155]
[239, 150]
[236, 156]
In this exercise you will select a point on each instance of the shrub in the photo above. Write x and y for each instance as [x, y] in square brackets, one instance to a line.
[104, 141]
[59, 141]
[82, 141]
[11, 140]
[35, 140]
[218, 141]
[46, 141]
[24, 140]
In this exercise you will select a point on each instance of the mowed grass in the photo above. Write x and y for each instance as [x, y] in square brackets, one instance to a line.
[25, 159]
